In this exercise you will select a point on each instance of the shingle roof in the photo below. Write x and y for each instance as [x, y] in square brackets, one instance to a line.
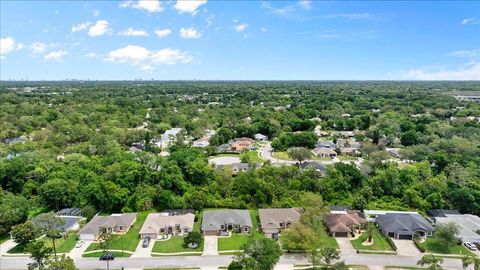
[212, 219]
[155, 221]
[312, 165]
[342, 222]
[240, 166]
[272, 217]
[442, 212]
[94, 225]
[400, 222]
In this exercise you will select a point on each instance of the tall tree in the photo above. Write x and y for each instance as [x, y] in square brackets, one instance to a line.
[447, 233]
[433, 262]
[51, 226]
[260, 254]
[24, 233]
[39, 253]
[299, 153]
[471, 260]
[65, 263]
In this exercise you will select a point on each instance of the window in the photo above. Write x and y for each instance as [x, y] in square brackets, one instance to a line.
[120, 228]
[237, 226]
[281, 224]
[185, 230]
[222, 227]
[245, 229]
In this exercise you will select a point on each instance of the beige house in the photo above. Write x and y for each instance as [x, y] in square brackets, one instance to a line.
[163, 224]
[324, 152]
[115, 224]
[344, 224]
[273, 220]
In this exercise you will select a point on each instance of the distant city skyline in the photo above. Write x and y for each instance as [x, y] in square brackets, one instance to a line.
[234, 40]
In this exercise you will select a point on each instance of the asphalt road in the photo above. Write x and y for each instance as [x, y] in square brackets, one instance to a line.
[9, 263]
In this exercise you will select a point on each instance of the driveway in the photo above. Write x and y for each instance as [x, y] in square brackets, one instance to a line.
[141, 252]
[345, 245]
[266, 154]
[6, 246]
[77, 252]
[210, 246]
[406, 247]
[224, 160]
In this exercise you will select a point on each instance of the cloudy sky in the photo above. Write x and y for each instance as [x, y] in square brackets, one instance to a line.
[234, 40]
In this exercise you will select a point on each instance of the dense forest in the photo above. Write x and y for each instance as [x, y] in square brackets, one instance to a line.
[66, 144]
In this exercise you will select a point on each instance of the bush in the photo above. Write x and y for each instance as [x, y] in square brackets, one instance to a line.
[193, 237]
[389, 240]
[417, 244]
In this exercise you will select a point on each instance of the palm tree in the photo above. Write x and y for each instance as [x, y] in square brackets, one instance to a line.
[370, 231]
[434, 262]
[471, 260]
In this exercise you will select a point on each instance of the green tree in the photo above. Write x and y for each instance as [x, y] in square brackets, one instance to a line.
[409, 138]
[39, 252]
[13, 210]
[89, 212]
[24, 233]
[193, 238]
[58, 193]
[298, 237]
[299, 153]
[447, 233]
[370, 230]
[471, 260]
[51, 226]
[261, 254]
[433, 262]
[64, 263]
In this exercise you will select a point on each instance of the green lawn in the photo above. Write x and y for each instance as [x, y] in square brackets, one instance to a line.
[346, 157]
[63, 245]
[281, 155]
[4, 237]
[433, 245]
[379, 242]
[173, 245]
[322, 240]
[100, 253]
[253, 155]
[128, 241]
[227, 155]
[236, 240]
[320, 158]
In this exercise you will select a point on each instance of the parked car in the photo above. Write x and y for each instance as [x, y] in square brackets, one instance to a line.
[146, 242]
[275, 236]
[107, 257]
[80, 243]
[477, 244]
[470, 246]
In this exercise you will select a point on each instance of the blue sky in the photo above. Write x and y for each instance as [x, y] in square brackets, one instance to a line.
[235, 40]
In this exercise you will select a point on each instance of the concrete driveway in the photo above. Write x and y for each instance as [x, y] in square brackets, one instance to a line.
[141, 252]
[210, 246]
[224, 160]
[77, 252]
[6, 246]
[406, 248]
[345, 245]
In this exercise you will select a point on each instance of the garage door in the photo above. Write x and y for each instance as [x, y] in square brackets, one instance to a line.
[405, 236]
[87, 237]
[210, 232]
[341, 234]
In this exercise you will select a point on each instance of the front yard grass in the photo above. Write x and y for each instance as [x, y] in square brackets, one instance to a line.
[346, 157]
[174, 245]
[379, 242]
[320, 158]
[253, 156]
[4, 237]
[281, 155]
[237, 240]
[128, 241]
[433, 245]
[63, 245]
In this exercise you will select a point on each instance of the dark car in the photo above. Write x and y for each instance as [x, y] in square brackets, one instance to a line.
[275, 236]
[477, 244]
[107, 257]
[146, 242]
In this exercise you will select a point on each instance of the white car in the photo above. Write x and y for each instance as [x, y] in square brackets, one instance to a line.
[79, 243]
[470, 246]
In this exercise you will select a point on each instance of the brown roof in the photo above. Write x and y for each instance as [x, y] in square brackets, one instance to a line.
[343, 222]
[272, 217]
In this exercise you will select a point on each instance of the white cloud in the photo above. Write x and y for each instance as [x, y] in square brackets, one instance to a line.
[150, 6]
[91, 55]
[189, 6]
[190, 33]
[350, 16]
[38, 47]
[96, 13]
[7, 45]
[133, 32]
[472, 20]
[19, 46]
[469, 71]
[279, 11]
[99, 28]
[263, 29]
[305, 4]
[466, 53]
[163, 32]
[81, 26]
[56, 55]
[146, 59]
[241, 27]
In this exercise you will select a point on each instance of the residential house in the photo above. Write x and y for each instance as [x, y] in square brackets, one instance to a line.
[312, 165]
[324, 152]
[404, 225]
[468, 225]
[272, 220]
[349, 151]
[221, 222]
[371, 215]
[393, 152]
[239, 167]
[202, 142]
[70, 216]
[164, 224]
[345, 224]
[261, 137]
[169, 137]
[115, 223]
[241, 144]
[326, 144]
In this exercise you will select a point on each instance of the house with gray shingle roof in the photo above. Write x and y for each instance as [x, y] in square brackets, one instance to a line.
[116, 224]
[468, 224]
[217, 222]
[404, 225]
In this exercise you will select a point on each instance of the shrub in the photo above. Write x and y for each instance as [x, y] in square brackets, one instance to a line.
[417, 244]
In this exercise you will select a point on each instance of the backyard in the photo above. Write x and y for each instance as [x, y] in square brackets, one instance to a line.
[379, 242]
[236, 241]
[281, 155]
[128, 241]
[434, 245]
